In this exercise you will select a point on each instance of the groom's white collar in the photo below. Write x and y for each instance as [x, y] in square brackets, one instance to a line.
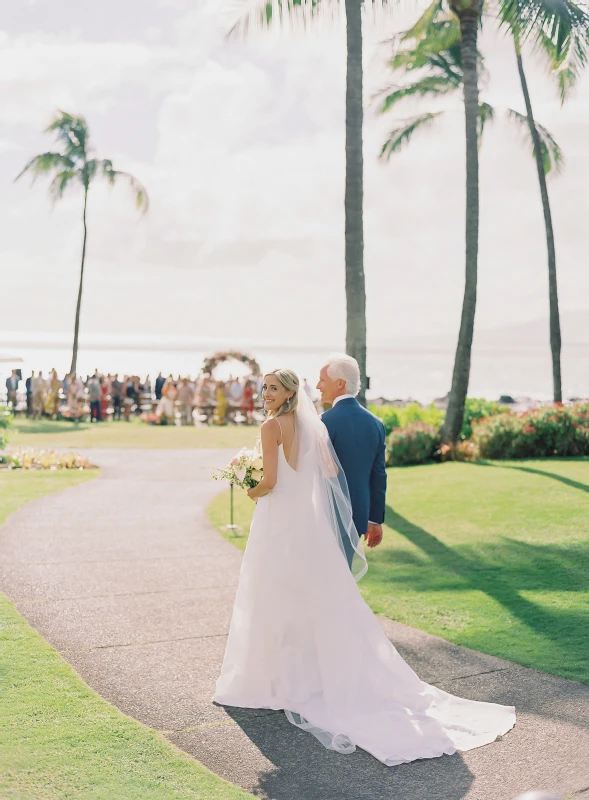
[342, 397]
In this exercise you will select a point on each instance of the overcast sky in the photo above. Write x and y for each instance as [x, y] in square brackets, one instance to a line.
[241, 146]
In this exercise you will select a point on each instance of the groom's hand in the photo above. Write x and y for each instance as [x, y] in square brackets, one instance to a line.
[373, 535]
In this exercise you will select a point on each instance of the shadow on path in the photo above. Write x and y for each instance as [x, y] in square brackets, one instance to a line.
[303, 768]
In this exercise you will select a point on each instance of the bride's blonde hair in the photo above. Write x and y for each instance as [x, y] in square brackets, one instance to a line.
[290, 381]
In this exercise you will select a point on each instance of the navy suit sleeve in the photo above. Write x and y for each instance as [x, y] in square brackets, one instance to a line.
[378, 482]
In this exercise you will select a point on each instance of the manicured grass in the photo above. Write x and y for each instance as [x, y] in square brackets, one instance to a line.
[58, 739]
[134, 434]
[491, 556]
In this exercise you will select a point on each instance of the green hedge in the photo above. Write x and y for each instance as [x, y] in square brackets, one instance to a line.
[5, 421]
[475, 408]
[552, 431]
[415, 443]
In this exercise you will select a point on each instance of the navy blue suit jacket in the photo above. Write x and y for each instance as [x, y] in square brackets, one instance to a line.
[358, 438]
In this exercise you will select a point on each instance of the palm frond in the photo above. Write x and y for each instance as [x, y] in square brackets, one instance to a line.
[105, 167]
[430, 86]
[61, 182]
[44, 164]
[251, 16]
[560, 25]
[402, 136]
[72, 132]
[423, 26]
[550, 151]
[486, 115]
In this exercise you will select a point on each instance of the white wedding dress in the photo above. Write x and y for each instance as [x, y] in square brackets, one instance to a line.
[302, 638]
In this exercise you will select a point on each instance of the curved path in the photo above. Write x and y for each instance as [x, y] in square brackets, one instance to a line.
[127, 579]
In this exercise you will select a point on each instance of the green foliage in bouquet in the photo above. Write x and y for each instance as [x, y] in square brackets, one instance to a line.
[244, 470]
[416, 443]
[553, 431]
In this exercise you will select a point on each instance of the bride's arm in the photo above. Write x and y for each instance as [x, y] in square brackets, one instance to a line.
[270, 433]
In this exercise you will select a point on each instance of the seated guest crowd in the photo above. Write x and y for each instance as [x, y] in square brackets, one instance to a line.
[102, 397]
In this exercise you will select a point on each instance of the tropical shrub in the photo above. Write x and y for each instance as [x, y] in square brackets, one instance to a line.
[551, 431]
[5, 421]
[415, 443]
[393, 417]
[477, 408]
[465, 450]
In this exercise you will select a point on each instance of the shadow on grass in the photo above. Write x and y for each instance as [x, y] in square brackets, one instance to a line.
[50, 428]
[583, 487]
[502, 571]
[303, 768]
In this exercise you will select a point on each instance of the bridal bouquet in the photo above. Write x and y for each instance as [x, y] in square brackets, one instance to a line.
[244, 470]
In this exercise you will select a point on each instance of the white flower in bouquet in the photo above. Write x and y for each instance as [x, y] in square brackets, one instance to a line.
[244, 470]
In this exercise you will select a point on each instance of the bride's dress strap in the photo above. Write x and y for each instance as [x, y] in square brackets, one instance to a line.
[280, 426]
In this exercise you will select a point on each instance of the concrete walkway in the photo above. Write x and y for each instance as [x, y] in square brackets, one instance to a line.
[127, 579]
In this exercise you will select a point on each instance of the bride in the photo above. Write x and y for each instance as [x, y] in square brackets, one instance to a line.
[302, 638]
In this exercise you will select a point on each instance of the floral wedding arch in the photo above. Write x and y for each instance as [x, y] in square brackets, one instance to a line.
[211, 362]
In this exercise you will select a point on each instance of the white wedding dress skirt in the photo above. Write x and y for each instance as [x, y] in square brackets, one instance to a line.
[302, 639]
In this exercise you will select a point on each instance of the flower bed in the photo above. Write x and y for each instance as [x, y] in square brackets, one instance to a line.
[73, 414]
[32, 458]
[416, 443]
[552, 431]
[151, 418]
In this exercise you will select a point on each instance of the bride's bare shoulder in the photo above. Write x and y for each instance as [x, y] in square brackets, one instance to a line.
[270, 428]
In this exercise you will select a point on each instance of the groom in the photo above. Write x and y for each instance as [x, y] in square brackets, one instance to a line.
[358, 439]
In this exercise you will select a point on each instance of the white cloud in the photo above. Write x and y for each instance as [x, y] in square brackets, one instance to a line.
[246, 178]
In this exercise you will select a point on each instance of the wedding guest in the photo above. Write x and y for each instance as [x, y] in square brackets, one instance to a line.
[29, 390]
[167, 405]
[147, 387]
[234, 395]
[221, 409]
[130, 397]
[94, 393]
[116, 396]
[52, 396]
[159, 385]
[186, 401]
[75, 391]
[12, 389]
[104, 396]
[38, 399]
[247, 402]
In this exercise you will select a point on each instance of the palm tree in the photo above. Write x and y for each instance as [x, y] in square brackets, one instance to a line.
[567, 57]
[71, 165]
[539, 18]
[263, 13]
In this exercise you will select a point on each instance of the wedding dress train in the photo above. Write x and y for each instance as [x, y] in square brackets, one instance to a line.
[302, 639]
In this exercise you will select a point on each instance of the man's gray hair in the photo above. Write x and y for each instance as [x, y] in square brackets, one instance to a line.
[345, 367]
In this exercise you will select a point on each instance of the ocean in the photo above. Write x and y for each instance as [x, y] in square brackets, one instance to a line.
[420, 372]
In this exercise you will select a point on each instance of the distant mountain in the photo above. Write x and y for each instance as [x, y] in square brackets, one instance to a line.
[574, 325]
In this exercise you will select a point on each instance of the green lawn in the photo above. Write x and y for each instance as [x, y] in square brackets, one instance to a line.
[491, 556]
[134, 434]
[58, 739]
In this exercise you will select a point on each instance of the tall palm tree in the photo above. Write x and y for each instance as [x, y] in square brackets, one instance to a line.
[263, 13]
[567, 57]
[536, 18]
[74, 164]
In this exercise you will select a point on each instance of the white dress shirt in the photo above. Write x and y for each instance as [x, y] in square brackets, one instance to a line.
[347, 397]
[343, 397]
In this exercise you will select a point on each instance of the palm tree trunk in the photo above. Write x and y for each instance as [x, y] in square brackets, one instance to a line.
[79, 303]
[555, 338]
[468, 47]
[355, 283]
